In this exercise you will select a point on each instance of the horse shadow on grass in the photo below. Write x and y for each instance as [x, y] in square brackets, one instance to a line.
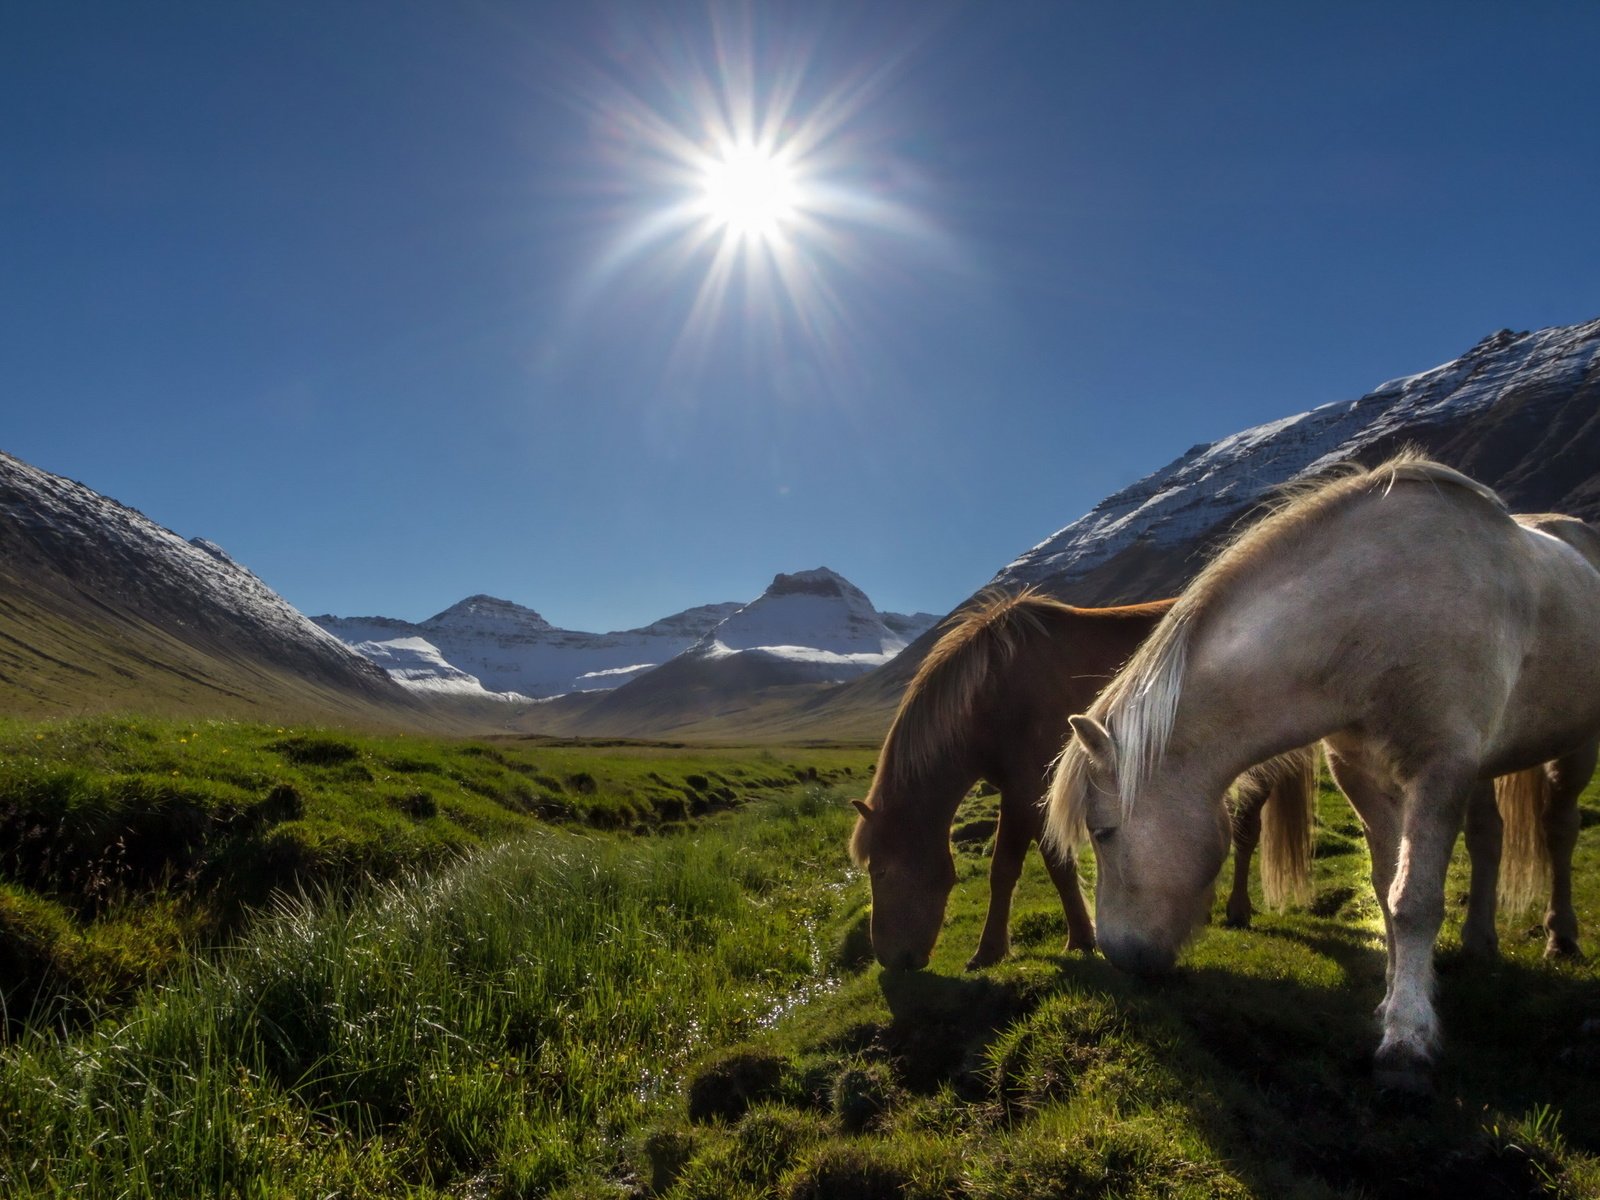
[941, 1026]
[1275, 1072]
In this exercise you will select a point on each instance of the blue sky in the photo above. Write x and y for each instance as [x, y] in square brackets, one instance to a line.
[403, 302]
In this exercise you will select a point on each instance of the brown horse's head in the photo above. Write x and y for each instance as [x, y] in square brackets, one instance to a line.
[912, 873]
[1156, 860]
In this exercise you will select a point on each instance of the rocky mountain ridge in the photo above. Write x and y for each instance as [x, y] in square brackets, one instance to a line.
[1488, 413]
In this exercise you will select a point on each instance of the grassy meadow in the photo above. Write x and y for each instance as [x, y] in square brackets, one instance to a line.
[248, 961]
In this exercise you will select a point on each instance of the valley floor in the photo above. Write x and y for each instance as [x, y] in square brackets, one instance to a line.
[494, 989]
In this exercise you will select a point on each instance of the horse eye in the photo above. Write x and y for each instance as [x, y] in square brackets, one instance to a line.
[1103, 835]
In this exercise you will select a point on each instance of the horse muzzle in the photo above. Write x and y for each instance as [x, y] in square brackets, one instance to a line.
[1138, 957]
[904, 960]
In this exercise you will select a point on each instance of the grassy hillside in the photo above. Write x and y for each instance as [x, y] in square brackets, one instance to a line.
[567, 1003]
[64, 653]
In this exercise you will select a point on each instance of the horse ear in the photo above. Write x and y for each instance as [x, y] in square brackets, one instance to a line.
[863, 808]
[1095, 739]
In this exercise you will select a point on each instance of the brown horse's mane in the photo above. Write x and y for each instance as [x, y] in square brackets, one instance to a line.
[1141, 703]
[978, 644]
[979, 641]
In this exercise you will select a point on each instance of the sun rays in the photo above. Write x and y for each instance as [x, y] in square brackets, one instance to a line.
[755, 200]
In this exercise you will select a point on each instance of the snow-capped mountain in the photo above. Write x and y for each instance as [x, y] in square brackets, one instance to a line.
[484, 645]
[809, 628]
[817, 622]
[1521, 412]
[103, 606]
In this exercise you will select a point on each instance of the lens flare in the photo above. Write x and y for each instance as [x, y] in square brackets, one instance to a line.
[754, 198]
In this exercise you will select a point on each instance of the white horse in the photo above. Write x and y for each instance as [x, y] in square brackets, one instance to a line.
[1401, 616]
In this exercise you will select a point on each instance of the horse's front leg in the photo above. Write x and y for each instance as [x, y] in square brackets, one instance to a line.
[1568, 775]
[1248, 801]
[1485, 832]
[1379, 811]
[1430, 821]
[1064, 874]
[1011, 840]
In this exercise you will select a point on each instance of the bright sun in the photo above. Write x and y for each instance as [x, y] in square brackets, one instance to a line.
[751, 187]
[749, 191]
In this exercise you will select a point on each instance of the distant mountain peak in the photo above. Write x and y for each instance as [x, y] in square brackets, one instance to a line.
[509, 649]
[820, 581]
[808, 613]
[483, 609]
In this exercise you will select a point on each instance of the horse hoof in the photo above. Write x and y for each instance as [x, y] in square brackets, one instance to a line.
[984, 958]
[1563, 948]
[1235, 921]
[1401, 1073]
[1483, 949]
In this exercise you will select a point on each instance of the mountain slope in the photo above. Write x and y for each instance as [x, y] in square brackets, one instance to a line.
[1519, 411]
[101, 608]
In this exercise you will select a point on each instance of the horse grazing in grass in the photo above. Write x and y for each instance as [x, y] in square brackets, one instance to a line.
[991, 702]
[1401, 616]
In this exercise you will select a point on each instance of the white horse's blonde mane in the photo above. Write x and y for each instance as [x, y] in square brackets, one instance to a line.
[1140, 705]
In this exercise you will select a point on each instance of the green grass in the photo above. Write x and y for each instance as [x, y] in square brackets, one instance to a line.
[1247, 1074]
[126, 842]
[557, 1006]
[497, 1026]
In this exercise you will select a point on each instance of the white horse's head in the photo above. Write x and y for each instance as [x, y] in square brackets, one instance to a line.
[1157, 849]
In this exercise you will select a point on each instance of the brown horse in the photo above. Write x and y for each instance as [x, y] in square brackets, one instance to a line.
[991, 702]
[1399, 615]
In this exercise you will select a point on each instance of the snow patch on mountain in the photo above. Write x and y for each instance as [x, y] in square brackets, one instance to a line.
[1212, 482]
[817, 622]
[512, 650]
[416, 664]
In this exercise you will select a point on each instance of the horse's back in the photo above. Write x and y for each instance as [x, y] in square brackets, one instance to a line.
[1574, 531]
[1556, 700]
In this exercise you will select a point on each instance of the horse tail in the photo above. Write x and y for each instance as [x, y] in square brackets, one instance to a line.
[1524, 858]
[1286, 823]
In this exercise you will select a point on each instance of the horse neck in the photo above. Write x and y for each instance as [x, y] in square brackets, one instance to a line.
[1055, 676]
[925, 793]
[1253, 686]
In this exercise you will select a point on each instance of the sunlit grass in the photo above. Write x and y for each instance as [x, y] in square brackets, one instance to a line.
[577, 1012]
[506, 1018]
[1246, 1074]
[126, 843]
